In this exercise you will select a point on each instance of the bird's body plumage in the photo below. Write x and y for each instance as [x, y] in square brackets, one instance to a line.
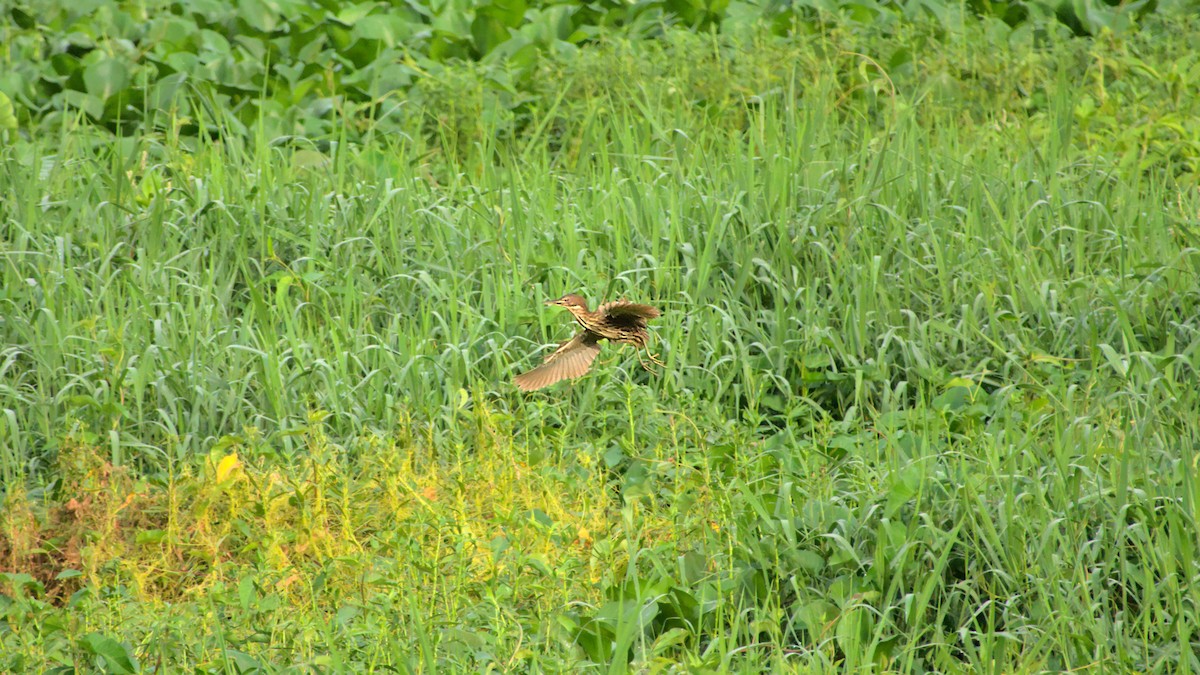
[619, 321]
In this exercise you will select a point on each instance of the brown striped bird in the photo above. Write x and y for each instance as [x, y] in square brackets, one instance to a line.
[619, 321]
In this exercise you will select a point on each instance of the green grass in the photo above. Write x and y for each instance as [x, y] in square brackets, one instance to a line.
[931, 344]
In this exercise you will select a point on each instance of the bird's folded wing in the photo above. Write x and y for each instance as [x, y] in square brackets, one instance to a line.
[572, 359]
[624, 308]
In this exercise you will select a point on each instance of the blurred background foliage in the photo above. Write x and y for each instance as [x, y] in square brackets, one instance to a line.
[162, 64]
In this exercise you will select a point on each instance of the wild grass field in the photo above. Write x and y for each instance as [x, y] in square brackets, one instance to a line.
[931, 338]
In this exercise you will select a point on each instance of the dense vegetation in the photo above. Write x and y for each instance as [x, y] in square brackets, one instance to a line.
[932, 334]
[305, 67]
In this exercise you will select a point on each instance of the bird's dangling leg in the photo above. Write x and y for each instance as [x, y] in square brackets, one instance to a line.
[653, 358]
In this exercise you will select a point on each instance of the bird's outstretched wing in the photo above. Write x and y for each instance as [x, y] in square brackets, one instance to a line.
[572, 359]
[622, 311]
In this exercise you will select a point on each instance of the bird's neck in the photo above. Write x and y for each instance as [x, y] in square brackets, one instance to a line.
[581, 315]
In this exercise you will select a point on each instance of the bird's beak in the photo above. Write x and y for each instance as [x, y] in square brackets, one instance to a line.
[551, 302]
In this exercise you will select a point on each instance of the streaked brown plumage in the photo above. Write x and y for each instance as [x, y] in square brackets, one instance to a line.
[619, 321]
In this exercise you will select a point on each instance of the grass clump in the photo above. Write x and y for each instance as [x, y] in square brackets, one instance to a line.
[927, 403]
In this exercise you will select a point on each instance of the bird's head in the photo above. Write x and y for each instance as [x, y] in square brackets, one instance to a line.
[571, 302]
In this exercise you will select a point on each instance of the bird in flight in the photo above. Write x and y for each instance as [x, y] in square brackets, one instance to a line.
[619, 321]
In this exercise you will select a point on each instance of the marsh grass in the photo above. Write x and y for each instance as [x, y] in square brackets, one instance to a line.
[931, 341]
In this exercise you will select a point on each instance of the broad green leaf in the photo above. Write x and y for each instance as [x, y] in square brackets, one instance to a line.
[853, 630]
[246, 592]
[89, 104]
[148, 537]
[509, 12]
[489, 32]
[549, 24]
[182, 62]
[818, 616]
[952, 400]
[959, 382]
[455, 18]
[106, 77]
[244, 662]
[352, 14]
[21, 580]
[259, 15]
[116, 657]
[810, 561]
[387, 28]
